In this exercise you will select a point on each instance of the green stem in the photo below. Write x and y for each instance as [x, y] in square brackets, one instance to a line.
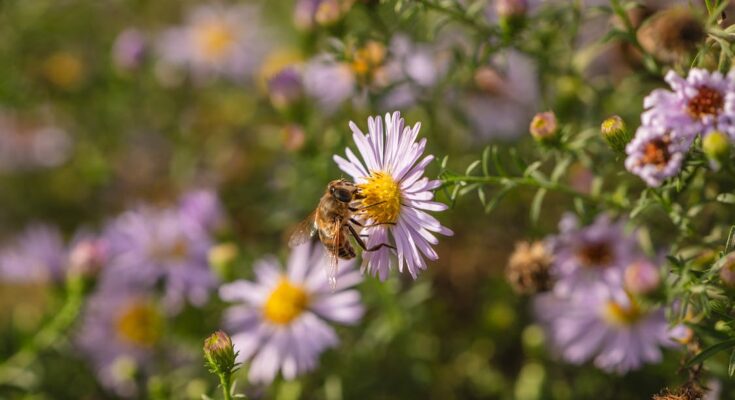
[523, 181]
[13, 369]
[226, 383]
[460, 16]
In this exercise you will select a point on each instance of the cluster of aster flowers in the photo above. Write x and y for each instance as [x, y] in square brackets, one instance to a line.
[703, 105]
[596, 309]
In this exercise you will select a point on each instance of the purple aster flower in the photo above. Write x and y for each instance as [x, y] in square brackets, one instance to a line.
[308, 13]
[329, 82]
[120, 334]
[216, 40]
[412, 69]
[397, 195]
[204, 207]
[655, 154]
[704, 100]
[148, 246]
[280, 323]
[590, 258]
[129, 49]
[286, 86]
[505, 96]
[613, 331]
[37, 254]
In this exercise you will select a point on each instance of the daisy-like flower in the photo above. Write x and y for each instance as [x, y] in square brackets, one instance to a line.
[704, 100]
[215, 41]
[280, 324]
[614, 331]
[120, 334]
[655, 154]
[590, 258]
[397, 195]
[37, 254]
[150, 246]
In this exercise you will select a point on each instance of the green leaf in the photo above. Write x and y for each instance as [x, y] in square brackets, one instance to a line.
[538, 200]
[731, 367]
[481, 195]
[727, 198]
[532, 168]
[485, 160]
[711, 351]
[471, 167]
[560, 169]
[498, 165]
[729, 244]
[495, 200]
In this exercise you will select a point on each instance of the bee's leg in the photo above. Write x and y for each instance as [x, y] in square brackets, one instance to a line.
[358, 223]
[360, 242]
[353, 209]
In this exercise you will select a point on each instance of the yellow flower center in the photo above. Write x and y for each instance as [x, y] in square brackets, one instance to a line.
[286, 302]
[619, 315]
[382, 197]
[139, 324]
[215, 40]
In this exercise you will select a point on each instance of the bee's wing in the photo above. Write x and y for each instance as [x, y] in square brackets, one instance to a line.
[334, 256]
[303, 231]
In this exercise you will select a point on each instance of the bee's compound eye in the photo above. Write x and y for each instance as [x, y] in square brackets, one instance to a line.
[343, 195]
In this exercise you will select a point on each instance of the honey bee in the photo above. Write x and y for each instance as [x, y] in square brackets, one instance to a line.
[334, 220]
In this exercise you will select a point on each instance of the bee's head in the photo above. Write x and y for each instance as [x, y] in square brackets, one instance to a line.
[342, 190]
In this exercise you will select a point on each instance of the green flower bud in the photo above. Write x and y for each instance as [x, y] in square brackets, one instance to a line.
[615, 133]
[716, 146]
[544, 128]
[219, 353]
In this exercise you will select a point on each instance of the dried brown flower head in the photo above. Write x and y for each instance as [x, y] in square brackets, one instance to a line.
[672, 34]
[528, 268]
[690, 391]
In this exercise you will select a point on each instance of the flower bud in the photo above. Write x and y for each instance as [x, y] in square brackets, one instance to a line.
[727, 272]
[716, 146]
[219, 353]
[87, 257]
[543, 127]
[642, 277]
[511, 15]
[615, 133]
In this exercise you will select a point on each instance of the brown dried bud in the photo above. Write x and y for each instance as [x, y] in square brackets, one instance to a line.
[528, 268]
[672, 34]
[690, 391]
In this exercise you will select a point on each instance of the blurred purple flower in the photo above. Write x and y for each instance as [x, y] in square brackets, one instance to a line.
[703, 101]
[204, 207]
[129, 49]
[31, 144]
[411, 70]
[655, 154]
[398, 194]
[591, 258]
[308, 13]
[613, 330]
[329, 82]
[216, 40]
[37, 254]
[120, 333]
[279, 323]
[286, 86]
[505, 98]
[148, 246]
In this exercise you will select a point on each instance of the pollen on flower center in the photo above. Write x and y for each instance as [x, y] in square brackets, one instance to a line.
[708, 101]
[215, 39]
[286, 302]
[619, 315]
[595, 254]
[139, 324]
[656, 153]
[382, 197]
